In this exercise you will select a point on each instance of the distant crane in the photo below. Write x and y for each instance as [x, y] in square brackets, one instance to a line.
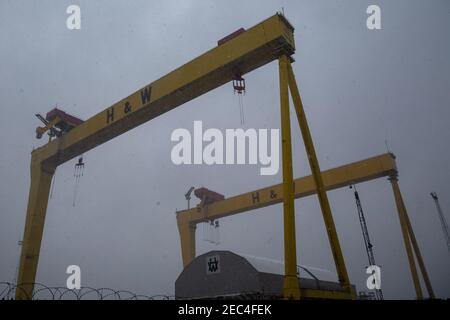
[444, 223]
[367, 243]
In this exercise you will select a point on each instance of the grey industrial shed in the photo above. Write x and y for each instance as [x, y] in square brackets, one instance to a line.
[226, 275]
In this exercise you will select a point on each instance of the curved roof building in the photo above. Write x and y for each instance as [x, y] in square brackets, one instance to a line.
[226, 275]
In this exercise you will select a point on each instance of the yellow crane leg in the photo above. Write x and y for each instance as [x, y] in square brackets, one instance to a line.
[291, 286]
[415, 245]
[406, 239]
[41, 179]
[321, 191]
[187, 239]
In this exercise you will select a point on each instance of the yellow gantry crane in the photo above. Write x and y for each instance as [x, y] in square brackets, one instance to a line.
[349, 174]
[246, 50]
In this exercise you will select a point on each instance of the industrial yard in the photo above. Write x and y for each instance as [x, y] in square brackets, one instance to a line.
[297, 153]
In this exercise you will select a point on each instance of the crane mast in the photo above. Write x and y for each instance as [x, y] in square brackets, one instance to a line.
[444, 223]
[367, 242]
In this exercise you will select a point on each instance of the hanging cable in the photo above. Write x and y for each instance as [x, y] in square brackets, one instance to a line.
[53, 184]
[211, 232]
[241, 108]
[78, 173]
[239, 88]
[216, 232]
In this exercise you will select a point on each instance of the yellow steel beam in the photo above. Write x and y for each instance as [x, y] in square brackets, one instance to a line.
[353, 173]
[406, 238]
[41, 178]
[251, 49]
[356, 172]
[321, 192]
[290, 284]
[187, 238]
[416, 248]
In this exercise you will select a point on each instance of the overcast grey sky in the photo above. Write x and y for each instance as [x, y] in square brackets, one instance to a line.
[359, 88]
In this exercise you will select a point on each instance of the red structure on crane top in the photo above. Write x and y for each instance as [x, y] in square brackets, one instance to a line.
[70, 121]
[207, 196]
[230, 36]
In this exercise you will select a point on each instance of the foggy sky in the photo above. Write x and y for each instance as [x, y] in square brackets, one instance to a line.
[359, 88]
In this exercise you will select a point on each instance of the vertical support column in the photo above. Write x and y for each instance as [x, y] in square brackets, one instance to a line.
[41, 179]
[406, 240]
[187, 240]
[321, 192]
[291, 283]
[416, 248]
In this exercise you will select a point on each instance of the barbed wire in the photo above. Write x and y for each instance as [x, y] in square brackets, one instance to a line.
[8, 291]
[42, 292]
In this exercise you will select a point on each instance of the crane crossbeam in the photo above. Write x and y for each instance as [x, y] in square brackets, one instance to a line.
[253, 48]
[356, 172]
